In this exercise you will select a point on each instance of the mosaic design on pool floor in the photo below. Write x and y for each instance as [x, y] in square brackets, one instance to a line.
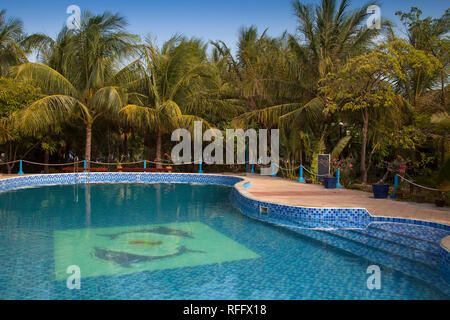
[120, 250]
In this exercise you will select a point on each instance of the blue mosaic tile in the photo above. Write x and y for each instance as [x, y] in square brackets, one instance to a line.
[444, 264]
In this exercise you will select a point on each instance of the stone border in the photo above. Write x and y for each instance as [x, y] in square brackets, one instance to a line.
[246, 202]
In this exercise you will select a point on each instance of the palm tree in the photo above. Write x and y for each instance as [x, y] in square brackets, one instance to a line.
[167, 81]
[11, 35]
[83, 86]
[328, 35]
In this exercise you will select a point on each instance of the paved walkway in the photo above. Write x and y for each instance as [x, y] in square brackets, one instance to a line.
[309, 195]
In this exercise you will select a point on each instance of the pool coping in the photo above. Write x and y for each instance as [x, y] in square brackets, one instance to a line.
[247, 203]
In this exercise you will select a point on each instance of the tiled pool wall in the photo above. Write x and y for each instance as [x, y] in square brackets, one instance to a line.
[248, 206]
[113, 177]
[251, 207]
[444, 261]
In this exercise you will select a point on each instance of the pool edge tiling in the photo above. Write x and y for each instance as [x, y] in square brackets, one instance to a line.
[444, 259]
[245, 201]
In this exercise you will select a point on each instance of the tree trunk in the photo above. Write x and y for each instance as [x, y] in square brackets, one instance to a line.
[364, 145]
[158, 149]
[87, 154]
[300, 157]
[8, 157]
[47, 158]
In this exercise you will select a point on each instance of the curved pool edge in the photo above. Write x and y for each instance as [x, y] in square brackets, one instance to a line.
[248, 204]
[444, 259]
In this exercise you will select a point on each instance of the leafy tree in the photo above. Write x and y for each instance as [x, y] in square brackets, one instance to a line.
[366, 82]
[14, 96]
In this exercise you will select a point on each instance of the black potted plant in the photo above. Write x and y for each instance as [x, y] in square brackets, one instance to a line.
[440, 202]
[381, 189]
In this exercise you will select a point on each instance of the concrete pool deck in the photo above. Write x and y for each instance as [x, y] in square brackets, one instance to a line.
[294, 193]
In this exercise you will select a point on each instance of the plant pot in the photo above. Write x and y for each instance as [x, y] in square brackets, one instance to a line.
[309, 181]
[439, 202]
[330, 182]
[380, 191]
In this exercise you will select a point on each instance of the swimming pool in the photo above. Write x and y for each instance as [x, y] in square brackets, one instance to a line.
[185, 241]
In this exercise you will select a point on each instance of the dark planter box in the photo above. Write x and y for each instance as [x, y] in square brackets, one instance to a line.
[308, 180]
[330, 182]
[439, 202]
[380, 191]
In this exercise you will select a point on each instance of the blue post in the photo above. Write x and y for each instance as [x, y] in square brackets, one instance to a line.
[253, 168]
[395, 186]
[338, 174]
[273, 170]
[85, 165]
[200, 168]
[301, 179]
[20, 168]
[246, 154]
[145, 164]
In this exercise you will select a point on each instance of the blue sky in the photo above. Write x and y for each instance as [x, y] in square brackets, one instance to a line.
[208, 20]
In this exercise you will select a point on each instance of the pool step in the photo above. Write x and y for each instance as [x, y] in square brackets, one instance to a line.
[399, 256]
[404, 239]
[422, 233]
[404, 251]
[427, 273]
[404, 245]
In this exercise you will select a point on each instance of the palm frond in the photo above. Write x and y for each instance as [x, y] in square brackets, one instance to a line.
[340, 146]
[43, 114]
[267, 116]
[48, 79]
[143, 118]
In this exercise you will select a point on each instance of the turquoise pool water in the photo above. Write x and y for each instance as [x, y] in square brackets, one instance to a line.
[176, 241]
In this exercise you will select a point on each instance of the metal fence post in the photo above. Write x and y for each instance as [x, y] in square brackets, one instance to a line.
[20, 168]
[300, 178]
[395, 186]
[338, 175]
